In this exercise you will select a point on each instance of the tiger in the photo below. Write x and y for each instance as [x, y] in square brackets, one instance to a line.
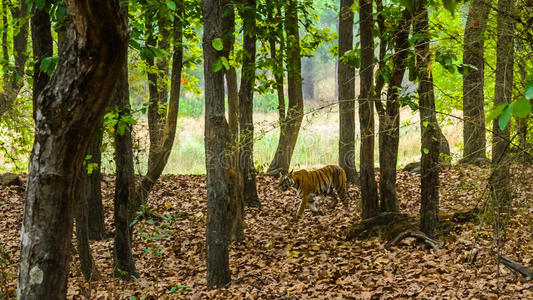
[317, 182]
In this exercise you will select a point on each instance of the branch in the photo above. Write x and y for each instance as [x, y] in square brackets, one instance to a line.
[515, 266]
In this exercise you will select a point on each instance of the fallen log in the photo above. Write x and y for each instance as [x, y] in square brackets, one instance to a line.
[515, 266]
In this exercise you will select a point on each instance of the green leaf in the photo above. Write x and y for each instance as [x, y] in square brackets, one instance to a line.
[496, 112]
[217, 65]
[529, 91]
[217, 44]
[171, 5]
[425, 150]
[425, 123]
[225, 62]
[39, 4]
[505, 117]
[521, 107]
[48, 65]
[450, 5]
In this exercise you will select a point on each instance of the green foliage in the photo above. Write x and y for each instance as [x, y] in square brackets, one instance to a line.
[48, 64]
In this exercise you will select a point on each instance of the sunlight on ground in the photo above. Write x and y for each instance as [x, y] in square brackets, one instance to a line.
[317, 143]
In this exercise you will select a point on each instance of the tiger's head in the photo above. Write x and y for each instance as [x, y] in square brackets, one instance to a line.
[286, 181]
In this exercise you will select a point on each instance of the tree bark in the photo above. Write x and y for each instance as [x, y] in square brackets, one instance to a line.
[42, 45]
[88, 267]
[123, 263]
[69, 107]
[163, 131]
[473, 83]
[217, 254]
[346, 88]
[369, 192]
[429, 210]
[294, 117]
[503, 93]
[389, 120]
[97, 229]
[246, 101]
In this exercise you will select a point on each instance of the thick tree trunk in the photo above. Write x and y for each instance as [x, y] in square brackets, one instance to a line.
[88, 267]
[69, 107]
[123, 263]
[246, 101]
[42, 45]
[389, 122]
[217, 235]
[369, 192]
[473, 83]
[346, 91]
[503, 93]
[429, 209]
[163, 131]
[294, 117]
[94, 192]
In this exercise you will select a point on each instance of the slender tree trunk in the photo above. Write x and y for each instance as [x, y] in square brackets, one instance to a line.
[246, 101]
[369, 192]
[88, 267]
[294, 117]
[42, 45]
[389, 122]
[217, 235]
[473, 83]
[13, 81]
[346, 91]
[522, 123]
[123, 263]
[97, 229]
[69, 107]
[163, 132]
[429, 209]
[503, 93]
[5, 45]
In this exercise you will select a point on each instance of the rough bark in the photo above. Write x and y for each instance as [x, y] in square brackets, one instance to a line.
[346, 92]
[42, 45]
[97, 229]
[473, 83]
[163, 128]
[88, 267]
[123, 263]
[503, 93]
[13, 82]
[246, 97]
[69, 107]
[389, 120]
[369, 192]
[429, 209]
[217, 235]
[294, 116]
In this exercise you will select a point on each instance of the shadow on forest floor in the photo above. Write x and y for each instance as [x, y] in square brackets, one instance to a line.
[309, 259]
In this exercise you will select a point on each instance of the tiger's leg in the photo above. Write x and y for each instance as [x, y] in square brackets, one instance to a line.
[334, 199]
[312, 206]
[303, 205]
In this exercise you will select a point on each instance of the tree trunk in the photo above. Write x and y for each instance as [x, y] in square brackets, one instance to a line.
[94, 192]
[346, 88]
[389, 122]
[473, 83]
[42, 45]
[246, 101]
[69, 107]
[5, 45]
[369, 192]
[163, 131]
[429, 209]
[522, 128]
[217, 254]
[503, 93]
[294, 117]
[14, 82]
[88, 267]
[123, 263]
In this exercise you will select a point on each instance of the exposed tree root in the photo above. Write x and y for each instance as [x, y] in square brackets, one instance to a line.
[435, 244]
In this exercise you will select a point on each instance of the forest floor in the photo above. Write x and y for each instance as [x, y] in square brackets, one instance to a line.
[306, 260]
